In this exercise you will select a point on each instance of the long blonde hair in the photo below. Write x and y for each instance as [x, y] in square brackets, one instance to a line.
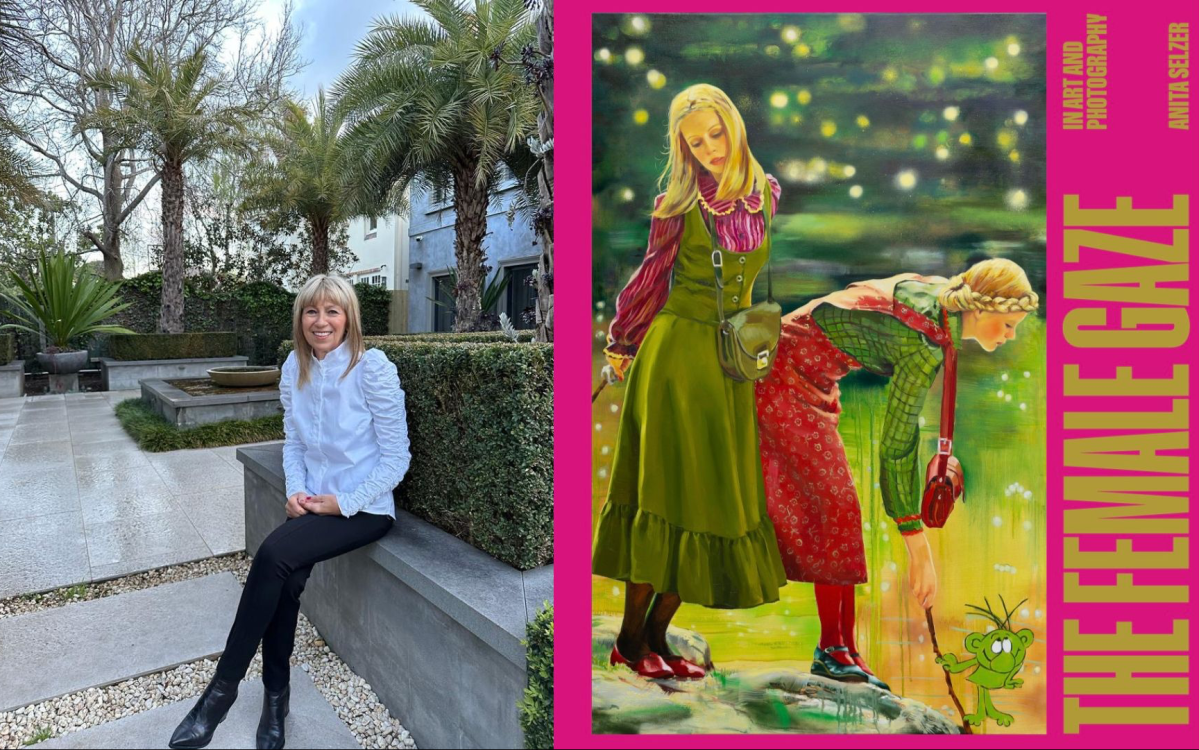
[742, 170]
[325, 288]
[993, 285]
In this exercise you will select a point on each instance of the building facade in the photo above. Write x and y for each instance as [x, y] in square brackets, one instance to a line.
[511, 253]
[381, 245]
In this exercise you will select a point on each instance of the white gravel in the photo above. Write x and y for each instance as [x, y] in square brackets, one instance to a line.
[350, 695]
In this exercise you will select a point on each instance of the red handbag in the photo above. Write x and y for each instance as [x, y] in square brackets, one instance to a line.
[944, 481]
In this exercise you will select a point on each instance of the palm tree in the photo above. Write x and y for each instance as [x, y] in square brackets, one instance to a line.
[426, 104]
[170, 109]
[306, 175]
[14, 168]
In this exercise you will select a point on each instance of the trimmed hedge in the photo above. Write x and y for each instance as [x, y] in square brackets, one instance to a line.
[537, 708]
[259, 312]
[478, 337]
[172, 345]
[480, 423]
[8, 348]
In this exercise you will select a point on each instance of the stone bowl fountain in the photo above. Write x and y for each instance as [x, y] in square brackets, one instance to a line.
[244, 376]
[234, 392]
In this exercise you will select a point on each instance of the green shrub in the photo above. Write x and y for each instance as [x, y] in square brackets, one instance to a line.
[537, 708]
[258, 311]
[480, 423]
[375, 302]
[173, 345]
[477, 337]
[153, 433]
[8, 348]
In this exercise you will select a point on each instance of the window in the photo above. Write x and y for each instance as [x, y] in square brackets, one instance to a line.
[521, 296]
[379, 280]
[443, 313]
[372, 227]
[374, 223]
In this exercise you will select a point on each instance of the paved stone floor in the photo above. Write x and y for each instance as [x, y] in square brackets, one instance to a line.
[80, 502]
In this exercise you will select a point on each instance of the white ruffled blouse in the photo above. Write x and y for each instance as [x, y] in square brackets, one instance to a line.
[345, 437]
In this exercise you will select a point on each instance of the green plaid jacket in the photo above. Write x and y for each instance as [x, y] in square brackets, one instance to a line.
[887, 347]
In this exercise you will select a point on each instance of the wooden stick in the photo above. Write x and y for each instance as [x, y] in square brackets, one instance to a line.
[598, 388]
[932, 631]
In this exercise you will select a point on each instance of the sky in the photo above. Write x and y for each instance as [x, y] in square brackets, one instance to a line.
[331, 30]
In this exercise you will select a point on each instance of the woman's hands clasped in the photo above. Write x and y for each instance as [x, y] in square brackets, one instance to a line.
[301, 503]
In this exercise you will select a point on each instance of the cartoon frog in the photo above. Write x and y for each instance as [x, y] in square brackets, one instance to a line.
[997, 657]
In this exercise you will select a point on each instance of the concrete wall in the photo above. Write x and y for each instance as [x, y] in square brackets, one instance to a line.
[431, 229]
[433, 624]
[12, 379]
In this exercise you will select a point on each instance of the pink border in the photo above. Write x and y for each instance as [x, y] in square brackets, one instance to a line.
[1159, 162]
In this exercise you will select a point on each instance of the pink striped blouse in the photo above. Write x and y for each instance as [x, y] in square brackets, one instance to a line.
[739, 227]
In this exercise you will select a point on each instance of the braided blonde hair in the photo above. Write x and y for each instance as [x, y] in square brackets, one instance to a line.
[993, 285]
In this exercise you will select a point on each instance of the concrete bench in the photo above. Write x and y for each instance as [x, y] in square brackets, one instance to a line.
[435, 625]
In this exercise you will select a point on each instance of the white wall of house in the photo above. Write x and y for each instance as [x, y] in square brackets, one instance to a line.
[382, 248]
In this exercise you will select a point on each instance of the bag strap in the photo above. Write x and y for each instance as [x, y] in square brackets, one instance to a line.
[718, 258]
[949, 388]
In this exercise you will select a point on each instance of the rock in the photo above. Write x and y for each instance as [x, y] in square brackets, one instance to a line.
[754, 701]
[686, 643]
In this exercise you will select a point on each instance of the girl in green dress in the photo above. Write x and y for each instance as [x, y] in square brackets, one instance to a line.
[685, 518]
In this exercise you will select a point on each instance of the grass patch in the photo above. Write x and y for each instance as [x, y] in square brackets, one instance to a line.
[155, 434]
[42, 734]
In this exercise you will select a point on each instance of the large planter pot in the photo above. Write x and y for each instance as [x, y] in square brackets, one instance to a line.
[63, 363]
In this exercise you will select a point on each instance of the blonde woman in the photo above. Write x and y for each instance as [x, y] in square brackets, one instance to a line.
[345, 450]
[896, 328]
[685, 518]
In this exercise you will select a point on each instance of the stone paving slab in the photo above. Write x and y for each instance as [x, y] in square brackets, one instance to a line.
[123, 636]
[42, 553]
[311, 723]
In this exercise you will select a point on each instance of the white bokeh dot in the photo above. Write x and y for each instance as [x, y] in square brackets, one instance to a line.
[997, 521]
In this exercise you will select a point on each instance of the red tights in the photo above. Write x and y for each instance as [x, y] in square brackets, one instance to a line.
[835, 606]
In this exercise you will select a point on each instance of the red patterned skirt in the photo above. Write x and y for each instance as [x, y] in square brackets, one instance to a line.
[810, 494]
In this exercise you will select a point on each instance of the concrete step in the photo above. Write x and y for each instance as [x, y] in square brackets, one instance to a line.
[312, 723]
[91, 644]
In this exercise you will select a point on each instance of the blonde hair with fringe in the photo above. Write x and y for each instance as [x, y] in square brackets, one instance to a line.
[318, 290]
[680, 178]
[994, 285]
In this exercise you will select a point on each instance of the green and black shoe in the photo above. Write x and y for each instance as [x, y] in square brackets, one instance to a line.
[825, 665]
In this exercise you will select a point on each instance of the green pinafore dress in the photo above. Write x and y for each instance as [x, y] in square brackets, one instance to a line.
[686, 505]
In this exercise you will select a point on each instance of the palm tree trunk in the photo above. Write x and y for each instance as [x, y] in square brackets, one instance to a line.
[470, 226]
[320, 245]
[171, 317]
[545, 185]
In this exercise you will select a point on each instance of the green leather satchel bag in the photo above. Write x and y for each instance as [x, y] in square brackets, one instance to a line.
[747, 341]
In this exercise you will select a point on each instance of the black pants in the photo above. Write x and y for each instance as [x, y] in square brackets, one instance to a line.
[270, 602]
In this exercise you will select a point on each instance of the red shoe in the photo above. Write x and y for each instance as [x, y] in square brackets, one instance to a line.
[650, 666]
[684, 669]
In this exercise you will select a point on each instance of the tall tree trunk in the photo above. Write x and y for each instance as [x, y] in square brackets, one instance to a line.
[545, 182]
[171, 317]
[110, 248]
[470, 226]
[320, 245]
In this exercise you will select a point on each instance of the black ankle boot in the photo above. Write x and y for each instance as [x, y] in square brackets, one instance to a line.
[197, 727]
[274, 710]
